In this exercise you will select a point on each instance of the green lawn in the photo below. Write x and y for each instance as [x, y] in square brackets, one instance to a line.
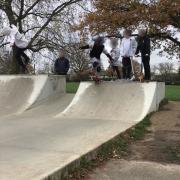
[72, 87]
[173, 93]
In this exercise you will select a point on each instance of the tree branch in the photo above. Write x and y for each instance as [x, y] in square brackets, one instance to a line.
[20, 15]
[4, 44]
[30, 8]
[53, 14]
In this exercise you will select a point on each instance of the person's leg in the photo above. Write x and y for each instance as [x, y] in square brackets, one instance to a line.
[26, 58]
[117, 72]
[95, 66]
[95, 73]
[146, 61]
[17, 54]
[124, 67]
[129, 68]
[98, 69]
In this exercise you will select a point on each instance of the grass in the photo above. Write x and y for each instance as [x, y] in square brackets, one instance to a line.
[72, 87]
[173, 93]
[140, 130]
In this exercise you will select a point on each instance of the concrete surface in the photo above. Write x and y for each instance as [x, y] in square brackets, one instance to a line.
[18, 93]
[136, 170]
[50, 135]
[115, 101]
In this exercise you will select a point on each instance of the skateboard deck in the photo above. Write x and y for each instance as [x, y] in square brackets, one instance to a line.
[137, 71]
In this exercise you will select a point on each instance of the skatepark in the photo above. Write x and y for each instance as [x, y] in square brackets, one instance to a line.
[43, 129]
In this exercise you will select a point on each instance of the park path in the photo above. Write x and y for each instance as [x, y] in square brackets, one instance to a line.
[155, 157]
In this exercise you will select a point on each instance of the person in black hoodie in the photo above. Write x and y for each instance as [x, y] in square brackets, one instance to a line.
[61, 65]
[95, 54]
[144, 47]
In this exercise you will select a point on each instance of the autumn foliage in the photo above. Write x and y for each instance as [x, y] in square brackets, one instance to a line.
[111, 15]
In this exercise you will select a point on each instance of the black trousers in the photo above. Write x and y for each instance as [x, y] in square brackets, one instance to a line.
[147, 69]
[127, 67]
[21, 58]
[96, 66]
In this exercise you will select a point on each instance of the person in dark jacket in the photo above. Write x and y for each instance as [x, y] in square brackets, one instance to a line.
[61, 65]
[95, 54]
[144, 47]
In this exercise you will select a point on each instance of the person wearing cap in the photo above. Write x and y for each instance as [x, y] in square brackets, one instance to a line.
[128, 49]
[95, 54]
[19, 45]
[144, 47]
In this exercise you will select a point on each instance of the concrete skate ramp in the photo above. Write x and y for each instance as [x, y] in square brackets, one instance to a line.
[18, 93]
[41, 146]
[115, 101]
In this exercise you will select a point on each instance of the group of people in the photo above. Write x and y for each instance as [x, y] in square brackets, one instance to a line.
[128, 49]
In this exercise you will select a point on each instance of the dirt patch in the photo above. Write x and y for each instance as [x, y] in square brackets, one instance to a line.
[162, 142]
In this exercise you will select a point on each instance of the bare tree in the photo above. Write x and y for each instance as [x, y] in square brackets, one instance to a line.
[35, 19]
[165, 70]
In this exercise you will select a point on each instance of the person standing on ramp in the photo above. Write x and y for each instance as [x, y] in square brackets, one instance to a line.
[144, 47]
[128, 49]
[115, 54]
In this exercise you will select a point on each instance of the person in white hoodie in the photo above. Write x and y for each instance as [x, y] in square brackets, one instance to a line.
[127, 50]
[19, 45]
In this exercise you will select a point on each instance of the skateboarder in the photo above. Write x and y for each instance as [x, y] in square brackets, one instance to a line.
[144, 48]
[115, 54]
[128, 49]
[95, 54]
[19, 45]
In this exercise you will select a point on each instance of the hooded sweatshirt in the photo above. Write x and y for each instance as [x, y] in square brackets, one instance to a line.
[15, 37]
[128, 47]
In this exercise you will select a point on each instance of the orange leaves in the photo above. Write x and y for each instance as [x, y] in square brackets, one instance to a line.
[110, 15]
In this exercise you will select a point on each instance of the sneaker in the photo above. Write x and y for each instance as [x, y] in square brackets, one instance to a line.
[133, 78]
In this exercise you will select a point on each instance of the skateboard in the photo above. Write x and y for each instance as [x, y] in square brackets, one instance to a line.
[95, 78]
[137, 70]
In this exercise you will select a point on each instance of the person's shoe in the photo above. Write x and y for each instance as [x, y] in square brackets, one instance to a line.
[133, 78]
